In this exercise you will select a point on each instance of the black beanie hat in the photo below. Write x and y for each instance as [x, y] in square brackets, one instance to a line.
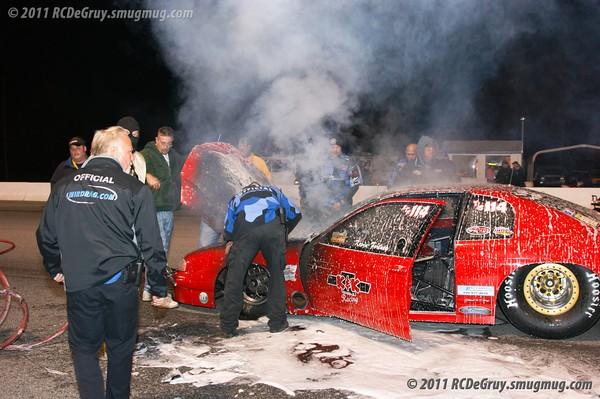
[129, 123]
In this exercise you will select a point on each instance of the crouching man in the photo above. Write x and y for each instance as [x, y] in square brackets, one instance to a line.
[95, 229]
[258, 218]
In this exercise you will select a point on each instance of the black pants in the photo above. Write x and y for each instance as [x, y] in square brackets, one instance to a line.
[105, 313]
[270, 239]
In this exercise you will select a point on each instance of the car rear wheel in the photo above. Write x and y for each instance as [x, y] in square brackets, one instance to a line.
[254, 294]
[551, 300]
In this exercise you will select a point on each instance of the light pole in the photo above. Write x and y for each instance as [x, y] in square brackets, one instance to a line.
[522, 136]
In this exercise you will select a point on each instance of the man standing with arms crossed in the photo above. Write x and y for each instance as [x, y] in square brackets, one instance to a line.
[94, 230]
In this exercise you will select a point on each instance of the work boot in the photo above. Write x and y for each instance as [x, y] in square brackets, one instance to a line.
[279, 329]
[228, 333]
[164, 303]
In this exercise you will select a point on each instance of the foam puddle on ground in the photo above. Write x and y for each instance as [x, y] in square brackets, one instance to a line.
[322, 353]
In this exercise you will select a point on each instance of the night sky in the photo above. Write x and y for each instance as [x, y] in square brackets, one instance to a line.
[62, 78]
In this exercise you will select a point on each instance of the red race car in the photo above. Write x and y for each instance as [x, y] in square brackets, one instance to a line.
[432, 254]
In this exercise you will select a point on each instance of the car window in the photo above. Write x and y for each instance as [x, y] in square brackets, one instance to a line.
[392, 228]
[487, 218]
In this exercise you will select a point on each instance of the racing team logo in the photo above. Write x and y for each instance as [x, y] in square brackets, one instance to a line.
[349, 285]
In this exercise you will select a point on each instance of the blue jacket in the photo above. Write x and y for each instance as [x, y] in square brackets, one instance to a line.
[342, 178]
[256, 205]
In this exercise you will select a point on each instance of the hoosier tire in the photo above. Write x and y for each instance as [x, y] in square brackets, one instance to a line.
[551, 300]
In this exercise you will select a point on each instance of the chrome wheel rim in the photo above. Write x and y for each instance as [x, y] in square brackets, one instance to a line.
[551, 289]
[256, 285]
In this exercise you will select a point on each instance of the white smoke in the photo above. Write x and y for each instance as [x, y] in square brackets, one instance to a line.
[279, 67]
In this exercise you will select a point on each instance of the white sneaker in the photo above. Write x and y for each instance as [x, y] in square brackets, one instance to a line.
[146, 296]
[165, 303]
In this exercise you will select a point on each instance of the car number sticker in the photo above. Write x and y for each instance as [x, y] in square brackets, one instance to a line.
[478, 230]
[289, 273]
[416, 211]
[475, 290]
[490, 206]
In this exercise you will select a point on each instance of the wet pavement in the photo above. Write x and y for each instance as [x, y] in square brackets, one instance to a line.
[46, 371]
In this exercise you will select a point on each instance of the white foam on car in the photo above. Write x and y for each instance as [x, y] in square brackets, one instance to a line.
[367, 363]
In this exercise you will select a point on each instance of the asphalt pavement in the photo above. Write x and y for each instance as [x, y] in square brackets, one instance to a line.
[46, 371]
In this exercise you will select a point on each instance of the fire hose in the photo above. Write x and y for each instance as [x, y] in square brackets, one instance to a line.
[7, 296]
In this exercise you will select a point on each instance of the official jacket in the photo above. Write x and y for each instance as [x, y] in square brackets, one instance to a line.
[256, 205]
[96, 223]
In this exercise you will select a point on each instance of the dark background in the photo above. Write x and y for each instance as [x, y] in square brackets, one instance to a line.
[62, 78]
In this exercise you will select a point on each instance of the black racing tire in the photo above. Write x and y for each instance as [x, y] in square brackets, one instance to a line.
[551, 300]
[254, 294]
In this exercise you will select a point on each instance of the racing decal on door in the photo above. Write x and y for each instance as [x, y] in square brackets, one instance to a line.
[349, 285]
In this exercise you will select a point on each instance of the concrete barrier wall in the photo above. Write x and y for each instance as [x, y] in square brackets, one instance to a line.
[24, 191]
[39, 192]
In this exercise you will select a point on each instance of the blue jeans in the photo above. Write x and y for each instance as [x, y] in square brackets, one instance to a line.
[165, 225]
[207, 235]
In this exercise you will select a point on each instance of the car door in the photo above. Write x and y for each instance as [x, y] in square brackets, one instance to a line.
[360, 270]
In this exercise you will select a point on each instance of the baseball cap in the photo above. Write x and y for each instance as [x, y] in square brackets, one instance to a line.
[76, 141]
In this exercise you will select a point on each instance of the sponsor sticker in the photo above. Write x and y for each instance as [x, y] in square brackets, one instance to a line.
[203, 297]
[478, 230]
[478, 310]
[339, 237]
[475, 290]
[349, 285]
[503, 231]
[289, 273]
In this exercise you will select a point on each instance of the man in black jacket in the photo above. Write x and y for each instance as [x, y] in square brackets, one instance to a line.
[95, 228]
[78, 155]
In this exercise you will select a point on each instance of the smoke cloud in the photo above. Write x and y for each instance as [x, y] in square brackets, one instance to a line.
[276, 70]
[279, 68]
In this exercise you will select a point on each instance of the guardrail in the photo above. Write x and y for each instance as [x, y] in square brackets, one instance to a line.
[38, 192]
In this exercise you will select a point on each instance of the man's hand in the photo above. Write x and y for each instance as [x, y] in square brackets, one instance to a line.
[59, 278]
[228, 247]
[152, 181]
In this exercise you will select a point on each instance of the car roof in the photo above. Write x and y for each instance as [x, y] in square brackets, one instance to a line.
[434, 191]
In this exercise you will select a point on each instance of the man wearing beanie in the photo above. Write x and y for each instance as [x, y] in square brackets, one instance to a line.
[138, 168]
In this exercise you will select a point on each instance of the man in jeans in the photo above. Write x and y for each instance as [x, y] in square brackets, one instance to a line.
[164, 164]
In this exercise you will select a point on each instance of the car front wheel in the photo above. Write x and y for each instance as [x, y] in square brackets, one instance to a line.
[551, 300]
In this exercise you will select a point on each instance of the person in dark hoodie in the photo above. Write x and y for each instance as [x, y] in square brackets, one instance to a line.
[138, 167]
[164, 164]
